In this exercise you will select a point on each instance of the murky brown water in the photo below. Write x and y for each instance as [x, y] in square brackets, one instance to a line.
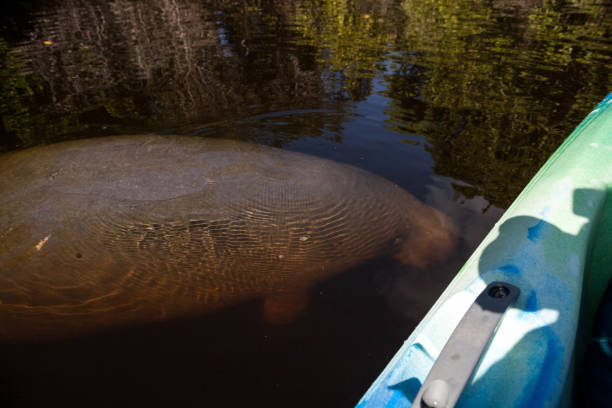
[457, 102]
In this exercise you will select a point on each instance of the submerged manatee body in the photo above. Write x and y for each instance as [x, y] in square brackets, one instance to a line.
[102, 232]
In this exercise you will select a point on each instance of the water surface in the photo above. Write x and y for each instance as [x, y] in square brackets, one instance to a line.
[459, 102]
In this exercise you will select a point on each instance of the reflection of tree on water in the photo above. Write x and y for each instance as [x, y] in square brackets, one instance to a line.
[493, 86]
[353, 37]
[147, 64]
[496, 91]
[266, 51]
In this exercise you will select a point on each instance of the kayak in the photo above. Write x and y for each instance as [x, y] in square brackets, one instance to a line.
[551, 252]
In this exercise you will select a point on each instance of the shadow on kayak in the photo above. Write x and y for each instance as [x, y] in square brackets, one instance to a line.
[547, 261]
[538, 348]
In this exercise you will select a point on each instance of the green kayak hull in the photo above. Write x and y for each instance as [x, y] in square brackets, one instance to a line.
[553, 243]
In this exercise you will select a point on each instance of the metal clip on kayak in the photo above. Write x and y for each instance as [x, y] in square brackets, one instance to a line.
[459, 357]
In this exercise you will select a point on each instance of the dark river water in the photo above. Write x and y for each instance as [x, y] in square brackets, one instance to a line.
[458, 102]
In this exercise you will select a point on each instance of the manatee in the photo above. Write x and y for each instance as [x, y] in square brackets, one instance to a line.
[111, 231]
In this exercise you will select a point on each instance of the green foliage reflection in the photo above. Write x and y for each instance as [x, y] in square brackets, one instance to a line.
[17, 94]
[495, 94]
[493, 86]
[352, 43]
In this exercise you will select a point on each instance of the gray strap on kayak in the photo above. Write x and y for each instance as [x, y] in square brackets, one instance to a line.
[464, 349]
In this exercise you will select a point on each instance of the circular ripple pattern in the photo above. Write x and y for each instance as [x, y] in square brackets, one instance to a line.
[103, 232]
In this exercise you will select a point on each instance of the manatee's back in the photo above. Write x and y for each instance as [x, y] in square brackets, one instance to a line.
[136, 228]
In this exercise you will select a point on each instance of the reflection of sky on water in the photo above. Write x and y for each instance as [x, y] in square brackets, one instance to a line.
[368, 143]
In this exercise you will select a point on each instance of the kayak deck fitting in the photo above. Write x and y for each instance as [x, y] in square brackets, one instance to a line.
[554, 244]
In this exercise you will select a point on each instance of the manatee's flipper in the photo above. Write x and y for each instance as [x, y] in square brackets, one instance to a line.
[416, 253]
[432, 240]
[285, 307]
